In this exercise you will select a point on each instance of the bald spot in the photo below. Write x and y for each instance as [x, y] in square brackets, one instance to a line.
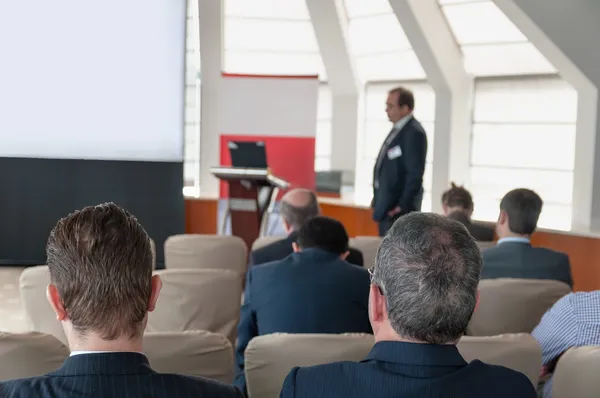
[298, 197]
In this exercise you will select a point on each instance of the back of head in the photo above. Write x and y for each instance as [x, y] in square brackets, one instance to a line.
[297, 206]
[523, 208]
[101, 263]
[428, 267]
[457, 198]
[323, 233]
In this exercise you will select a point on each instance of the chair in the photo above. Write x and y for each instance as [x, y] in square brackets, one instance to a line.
[513, 305]
[368, 245]
[39, 314]
[576, 374]
[269, 358]
[264, 241]
[29, 354]
[194, 353]
[198, 300]
[206, 252]
[520, 352]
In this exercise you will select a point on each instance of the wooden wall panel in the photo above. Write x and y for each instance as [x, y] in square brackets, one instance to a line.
[201, 216]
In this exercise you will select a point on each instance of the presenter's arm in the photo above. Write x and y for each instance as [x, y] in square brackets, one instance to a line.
[415, 155]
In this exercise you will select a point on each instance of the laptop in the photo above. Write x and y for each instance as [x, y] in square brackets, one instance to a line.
[248, 154]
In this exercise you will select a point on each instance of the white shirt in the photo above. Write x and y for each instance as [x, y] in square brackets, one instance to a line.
[73, 353]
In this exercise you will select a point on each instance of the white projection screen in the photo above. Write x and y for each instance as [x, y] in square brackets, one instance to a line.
[100, 79]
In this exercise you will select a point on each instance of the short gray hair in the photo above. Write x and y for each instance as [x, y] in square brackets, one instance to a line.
[428, 268]
[297, 216]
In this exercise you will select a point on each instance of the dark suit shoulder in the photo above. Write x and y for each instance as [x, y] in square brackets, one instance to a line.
[272, 252]
[503, 382]
[205, 386]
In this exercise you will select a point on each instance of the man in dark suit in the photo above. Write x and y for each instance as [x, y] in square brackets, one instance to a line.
[400, 165]
[100, 264]
[514, 257]
[297, 206]
[457, 203]
[422, 296]
[311, 291]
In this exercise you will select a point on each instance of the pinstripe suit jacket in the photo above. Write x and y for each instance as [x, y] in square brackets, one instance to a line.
[408, 370]
[112, 375]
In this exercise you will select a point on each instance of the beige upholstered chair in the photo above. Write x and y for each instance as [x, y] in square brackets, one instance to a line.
[38, 312]
[577, 374]
[519, 352]
[206, 252]
[513, 305]
[264, 241]
[368, 245]
[197, 300]
[193, 353]
[29, 354]
[269, 358]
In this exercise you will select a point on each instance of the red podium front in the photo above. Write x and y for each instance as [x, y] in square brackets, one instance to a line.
[252, 194]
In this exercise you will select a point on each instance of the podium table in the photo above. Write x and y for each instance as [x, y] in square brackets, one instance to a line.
[252, 194]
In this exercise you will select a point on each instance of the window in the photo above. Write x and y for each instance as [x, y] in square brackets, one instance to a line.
[377, 127]
[191, 159]
[271, 37]
[323, 136]
[524, 137]
[491, 44]
[378, 43]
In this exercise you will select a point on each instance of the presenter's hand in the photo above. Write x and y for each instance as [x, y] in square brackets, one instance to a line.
[396, 210]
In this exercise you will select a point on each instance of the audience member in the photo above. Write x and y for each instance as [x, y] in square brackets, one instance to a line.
[457, 203]
[422, 296]
[311, 291]
[574, 321]
[297, 206]
[102, 288]
[514, 257]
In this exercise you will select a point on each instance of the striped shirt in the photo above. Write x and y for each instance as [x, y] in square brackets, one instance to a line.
[574, 321]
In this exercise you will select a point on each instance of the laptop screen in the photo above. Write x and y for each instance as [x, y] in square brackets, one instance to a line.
[248, 154]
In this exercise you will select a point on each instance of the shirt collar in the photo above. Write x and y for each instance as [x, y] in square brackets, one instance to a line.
[399, 125]
[514, 239]
[74, 353]
[416, 354]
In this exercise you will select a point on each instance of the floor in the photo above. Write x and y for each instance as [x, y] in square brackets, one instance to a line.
[12, 315]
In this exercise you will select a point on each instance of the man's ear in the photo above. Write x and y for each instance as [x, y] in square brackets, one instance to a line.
[503, 217]
[296, 247]
[56, 302]
[156, 286]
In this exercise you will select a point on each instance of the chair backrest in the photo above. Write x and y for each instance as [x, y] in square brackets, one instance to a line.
[197, 300]
[513, 305]
[269, 358]
[206, 252]
[194, 353]
[520, 352]
[576, 374]
[29, 354]
[264, 241]
[39, 314]
[368, 245]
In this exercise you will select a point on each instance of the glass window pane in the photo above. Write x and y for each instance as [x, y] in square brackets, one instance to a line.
[270, 63]
[505, 59]
[484, 22]
[528, 100]
[270, 35]
[373, 35]
[489, 183]
[322, 163]
[394, 66]
[376, 96]
[444, 2]
[288, 9]
[324, 111]
[323, 139]
[359, 8]
[514, 145]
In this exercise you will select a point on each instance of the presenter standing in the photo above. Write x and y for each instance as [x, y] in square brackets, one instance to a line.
[399, 169]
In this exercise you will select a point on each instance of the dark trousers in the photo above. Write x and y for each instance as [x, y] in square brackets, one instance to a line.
[386, 224]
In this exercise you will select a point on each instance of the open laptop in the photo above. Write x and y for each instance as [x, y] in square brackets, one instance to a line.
[248, 154]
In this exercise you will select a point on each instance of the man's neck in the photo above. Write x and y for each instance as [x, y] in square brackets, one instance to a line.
[510, 234]
[391, 335]
[94, 343]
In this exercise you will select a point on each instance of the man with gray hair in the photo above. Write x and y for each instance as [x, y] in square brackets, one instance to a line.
[296, 207]
[423, 293]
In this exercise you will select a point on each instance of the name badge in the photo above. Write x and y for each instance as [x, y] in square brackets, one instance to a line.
[394, 152]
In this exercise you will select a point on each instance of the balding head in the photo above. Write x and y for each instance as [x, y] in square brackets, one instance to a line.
[297, 206]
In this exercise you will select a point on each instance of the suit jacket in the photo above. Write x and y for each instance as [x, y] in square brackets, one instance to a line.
[521, 260]
[312, 291]
[113, 375]
[400, 174]
[282, 248]
[394, 369]
[480, 232]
